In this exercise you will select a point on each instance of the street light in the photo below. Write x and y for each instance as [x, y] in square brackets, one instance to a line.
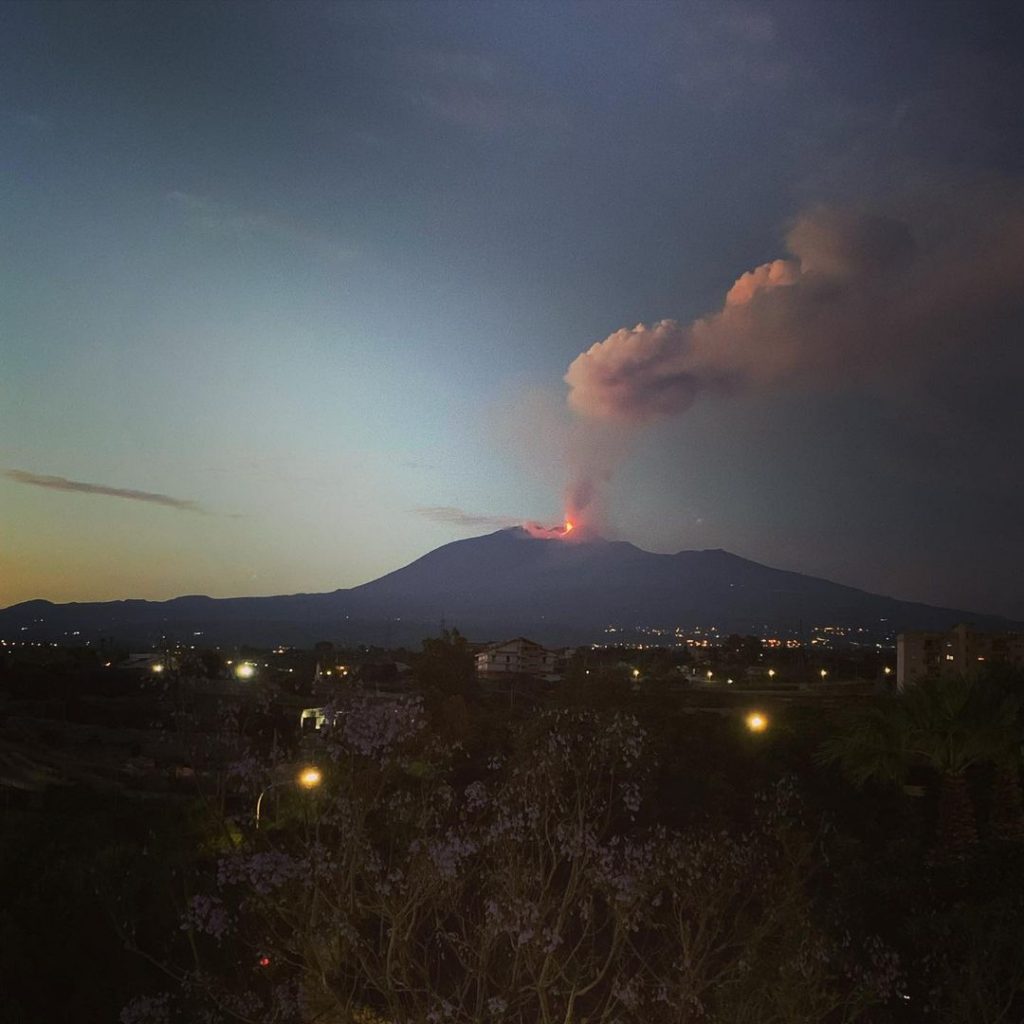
[771, 673]
[824, 672]
[756, 721]
[245, 670]
[309, 778]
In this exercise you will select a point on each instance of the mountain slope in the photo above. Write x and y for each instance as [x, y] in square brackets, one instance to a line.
[502, 584]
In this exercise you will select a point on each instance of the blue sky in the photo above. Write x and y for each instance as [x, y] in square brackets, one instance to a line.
[317, 268]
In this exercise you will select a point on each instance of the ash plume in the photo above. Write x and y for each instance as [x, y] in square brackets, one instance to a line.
[859, 297]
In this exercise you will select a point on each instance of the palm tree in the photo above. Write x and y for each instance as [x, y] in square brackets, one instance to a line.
[947, 723]
[1006, 821]
[1000, 707]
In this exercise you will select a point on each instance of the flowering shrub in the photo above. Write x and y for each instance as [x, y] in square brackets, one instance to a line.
[539, 892]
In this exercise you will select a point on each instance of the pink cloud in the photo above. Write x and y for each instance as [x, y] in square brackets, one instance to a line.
[860, 297]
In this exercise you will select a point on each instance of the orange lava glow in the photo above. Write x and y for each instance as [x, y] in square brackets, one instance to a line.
[539, 532]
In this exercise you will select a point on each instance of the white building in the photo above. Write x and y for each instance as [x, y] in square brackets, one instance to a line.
[516, 657]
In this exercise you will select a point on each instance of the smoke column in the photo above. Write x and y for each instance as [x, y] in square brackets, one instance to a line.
[858, 298]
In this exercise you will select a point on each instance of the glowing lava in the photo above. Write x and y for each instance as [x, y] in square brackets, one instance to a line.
[550, 532]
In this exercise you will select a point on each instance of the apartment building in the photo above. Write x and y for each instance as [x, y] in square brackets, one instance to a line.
[960, 650]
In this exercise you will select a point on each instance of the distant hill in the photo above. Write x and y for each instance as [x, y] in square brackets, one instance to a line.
[500, 585]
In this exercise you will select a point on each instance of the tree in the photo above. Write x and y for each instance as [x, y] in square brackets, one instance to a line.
[1000, 706]
[446, 664]
[949, 724]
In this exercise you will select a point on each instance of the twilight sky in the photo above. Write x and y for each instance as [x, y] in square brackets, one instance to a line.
[289, 291]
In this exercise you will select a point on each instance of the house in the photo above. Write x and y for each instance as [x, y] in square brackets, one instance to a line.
[516, 657]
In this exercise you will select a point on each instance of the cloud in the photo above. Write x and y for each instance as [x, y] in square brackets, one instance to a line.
[477, 93]
[730, 55]
[448, 515]
[486, 109]
[861, 297]
[59, 483]
[246, 225]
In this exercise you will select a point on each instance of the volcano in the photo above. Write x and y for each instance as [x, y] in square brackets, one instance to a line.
[555, 590]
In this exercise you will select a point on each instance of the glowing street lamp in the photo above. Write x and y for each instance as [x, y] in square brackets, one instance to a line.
[771, 673]
[823, 673]
[309, 778]
[157, 668]
[756, 721]
[245, 670]
[710, 673]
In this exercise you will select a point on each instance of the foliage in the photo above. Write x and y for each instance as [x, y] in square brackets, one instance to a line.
[539, 892]
[446, 665]
[948, 724]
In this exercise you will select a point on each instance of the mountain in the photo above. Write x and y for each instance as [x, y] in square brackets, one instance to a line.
[500, 585]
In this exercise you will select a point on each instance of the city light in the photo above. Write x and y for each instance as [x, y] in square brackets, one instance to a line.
[756, 721]
[824, 672]
[158, 668]
[245, 670]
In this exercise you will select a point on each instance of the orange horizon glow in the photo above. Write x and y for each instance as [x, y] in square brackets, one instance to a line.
[568, 526]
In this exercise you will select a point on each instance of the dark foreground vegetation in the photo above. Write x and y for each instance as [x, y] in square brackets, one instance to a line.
[591, 852]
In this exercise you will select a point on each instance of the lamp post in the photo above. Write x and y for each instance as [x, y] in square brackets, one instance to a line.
[308, 778]
[756, 721]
